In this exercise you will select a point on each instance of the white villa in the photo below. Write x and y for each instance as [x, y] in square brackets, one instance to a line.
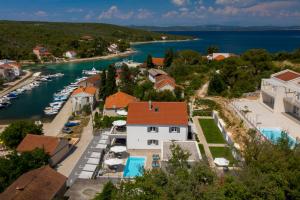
[218, 56]
[70, 54]
[281, 93]
[83, 96]
[149, 124]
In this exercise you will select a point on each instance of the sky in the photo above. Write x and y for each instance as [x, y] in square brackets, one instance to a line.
[156, 12]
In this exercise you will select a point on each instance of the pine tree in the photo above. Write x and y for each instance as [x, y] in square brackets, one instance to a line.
[102, 85]
[149, 61]
[169, 55]
[126, 80]
[110, 86]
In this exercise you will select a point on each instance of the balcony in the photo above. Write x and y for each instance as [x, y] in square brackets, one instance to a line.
[118, 130]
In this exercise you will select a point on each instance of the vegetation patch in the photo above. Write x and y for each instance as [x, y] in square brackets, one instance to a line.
[222, 152]
[211, 131]
[205, 107]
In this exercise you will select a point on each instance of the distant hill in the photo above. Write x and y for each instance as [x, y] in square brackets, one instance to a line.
[17, 39]
[215, 28]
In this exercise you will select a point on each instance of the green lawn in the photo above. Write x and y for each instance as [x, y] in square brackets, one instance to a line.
[222, 152]
[211, 131]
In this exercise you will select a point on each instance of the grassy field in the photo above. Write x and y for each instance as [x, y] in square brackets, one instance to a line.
[211, 131]
[222, 152]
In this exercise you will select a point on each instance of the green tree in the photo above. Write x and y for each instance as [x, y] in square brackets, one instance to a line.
[216, 85]
[110, 85]
[107, 192]
[149, 62]
[212, 49]
[259, 59]
[127, 83]
[102, 85]
[169, 55]
[16, 131]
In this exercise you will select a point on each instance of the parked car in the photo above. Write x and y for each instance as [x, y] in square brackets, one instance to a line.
[67, 130]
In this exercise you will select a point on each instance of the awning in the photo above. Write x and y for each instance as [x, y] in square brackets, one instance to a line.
[119, 123]
[94, 161]
[222, 162]
[114, 161]
[118, 149]
[85, 175]
[95, 155]
[122, 112]
[89, 168]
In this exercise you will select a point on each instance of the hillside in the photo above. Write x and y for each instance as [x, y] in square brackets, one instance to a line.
[17, 39]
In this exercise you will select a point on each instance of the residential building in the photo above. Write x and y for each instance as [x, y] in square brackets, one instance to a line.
[113, 48]
[117, 102]
[92, 81]
[149, 124]
[56, 147]
[164, 82]
[281, 93]
[153, 73]
[41, 52]
[70, 54]
[218, 56]
[10, 69]
[158, 62]
[39, 184]
[83, 96]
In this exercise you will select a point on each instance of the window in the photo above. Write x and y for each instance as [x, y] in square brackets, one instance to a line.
[152, 142]
[174, 130]
[152, 129]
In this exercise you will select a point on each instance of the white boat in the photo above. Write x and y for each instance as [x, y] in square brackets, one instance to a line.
[91, 72]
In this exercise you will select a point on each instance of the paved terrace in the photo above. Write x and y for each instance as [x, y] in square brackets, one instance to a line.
[262, 117]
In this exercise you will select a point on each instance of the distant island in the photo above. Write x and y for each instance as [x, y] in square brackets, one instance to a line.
[50, 41]
[215, 28]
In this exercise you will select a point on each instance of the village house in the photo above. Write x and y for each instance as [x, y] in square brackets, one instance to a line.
[113, 48]
[117, 102]
[164, 82]
[92, 81]
[41, 52]
[10, 69]
[70, 54]
[149, 124]
[56, 147]
[153, 73]
[83, 96]
[218, 56]
[43, 183]
[158, 62]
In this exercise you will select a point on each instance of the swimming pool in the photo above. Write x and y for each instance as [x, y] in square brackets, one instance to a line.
[274, 134]
[134, 166]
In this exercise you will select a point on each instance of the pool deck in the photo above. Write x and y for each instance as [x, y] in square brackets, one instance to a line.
[262, 117]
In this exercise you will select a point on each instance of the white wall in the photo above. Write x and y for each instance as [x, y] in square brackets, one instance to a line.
[138, 136]
[78, 101]
[167, 87]
[151, 78]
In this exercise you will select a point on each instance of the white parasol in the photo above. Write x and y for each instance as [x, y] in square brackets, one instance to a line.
[119, 123]
[118, 149]
[222, 162]
[113, 161]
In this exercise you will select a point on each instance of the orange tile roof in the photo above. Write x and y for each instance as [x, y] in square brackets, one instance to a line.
[219, 58]
[163, 83]
[38, 184]
[158, 61]
[89, 90]
[161, 113]
[119, 100]
[288, 75]
[31, 142]
[92, 79]
[163, 77]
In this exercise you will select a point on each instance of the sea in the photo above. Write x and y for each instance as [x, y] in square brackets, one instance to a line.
[31, 104]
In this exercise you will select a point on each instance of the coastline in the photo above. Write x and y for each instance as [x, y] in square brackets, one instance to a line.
[162, 41]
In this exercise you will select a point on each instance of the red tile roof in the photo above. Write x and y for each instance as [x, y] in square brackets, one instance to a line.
[288, 75]
[161, 113]
[89, 90]
[219, 58]
[163, 83]
[119, 100]
[31, 142]
[38, 184]
[158, 61]
[92, 79]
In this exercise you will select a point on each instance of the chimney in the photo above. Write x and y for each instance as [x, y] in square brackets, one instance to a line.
[150, 105]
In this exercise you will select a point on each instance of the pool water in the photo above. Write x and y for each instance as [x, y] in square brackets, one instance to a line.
[134, 167]
[274, 134]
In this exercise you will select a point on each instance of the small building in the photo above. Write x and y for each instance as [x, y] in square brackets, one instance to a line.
[164, 37]
[153, 73]
[113, 48]
[86, 38]
[10, 69]
[43, 183]
[158, 62]
[70, 54]
[56, 147]
[164, 82]
[149, 124]
[83, 96]
[41, 52]
[218, 56]
[117, 102]
[92, 81]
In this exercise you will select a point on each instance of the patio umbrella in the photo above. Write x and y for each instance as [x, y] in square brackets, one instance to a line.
[118, 149]
[119, 123]
[113, 161]
[222, 162]
[122, 112]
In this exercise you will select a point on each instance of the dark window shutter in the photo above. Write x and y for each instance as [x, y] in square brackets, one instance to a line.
[178, 130]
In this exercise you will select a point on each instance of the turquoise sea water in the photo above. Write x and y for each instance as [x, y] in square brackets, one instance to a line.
[134, 166]
[31, 104]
